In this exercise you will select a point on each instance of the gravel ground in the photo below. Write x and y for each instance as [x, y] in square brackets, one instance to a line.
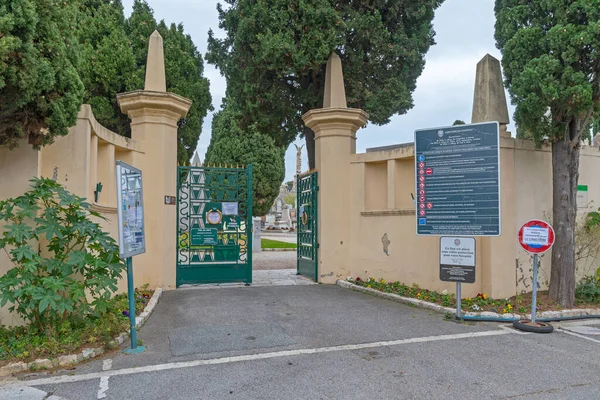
[273, 260]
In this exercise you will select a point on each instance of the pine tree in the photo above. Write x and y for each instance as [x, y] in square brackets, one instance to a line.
[40, 89]
[275, 51]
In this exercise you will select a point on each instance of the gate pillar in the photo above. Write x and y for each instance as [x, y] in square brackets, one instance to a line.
[335, 127]
[154, 114]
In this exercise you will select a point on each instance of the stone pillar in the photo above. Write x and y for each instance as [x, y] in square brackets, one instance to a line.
[256, 235]
[497, 254]
[335, 128]
[154, 114]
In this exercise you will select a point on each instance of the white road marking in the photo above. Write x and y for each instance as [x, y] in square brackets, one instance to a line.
[513, 330]
[106, 366]
[583, 322]
[578, 335]
[103, 387]
[252, 357]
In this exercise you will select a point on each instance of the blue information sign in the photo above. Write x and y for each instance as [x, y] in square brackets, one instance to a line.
[457, 173]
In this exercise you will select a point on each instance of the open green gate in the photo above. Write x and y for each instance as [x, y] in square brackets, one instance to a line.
[214, 225]
[307, 225]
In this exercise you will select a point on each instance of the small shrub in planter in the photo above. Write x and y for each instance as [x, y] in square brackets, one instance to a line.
[59, 256]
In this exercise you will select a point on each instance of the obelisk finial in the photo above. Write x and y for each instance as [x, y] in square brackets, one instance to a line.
[335, 94]
[489, 100]
[155, 65]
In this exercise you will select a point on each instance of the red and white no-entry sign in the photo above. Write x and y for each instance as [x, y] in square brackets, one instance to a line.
[536, 236]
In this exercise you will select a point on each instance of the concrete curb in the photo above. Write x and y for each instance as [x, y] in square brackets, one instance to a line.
[396, 298]
[86, 354]
[435, 307]
[282, 249]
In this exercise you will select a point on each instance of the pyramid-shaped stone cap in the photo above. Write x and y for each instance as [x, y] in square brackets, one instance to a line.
[489, 100]
[155, 65]
[335, 94]
[196, 160]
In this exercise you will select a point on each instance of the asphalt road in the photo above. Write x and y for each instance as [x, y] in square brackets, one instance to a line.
[325, 342]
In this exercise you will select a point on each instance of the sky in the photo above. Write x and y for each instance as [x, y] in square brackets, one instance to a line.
[464, 34]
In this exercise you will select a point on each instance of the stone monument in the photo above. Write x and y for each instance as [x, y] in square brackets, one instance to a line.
[489, 100]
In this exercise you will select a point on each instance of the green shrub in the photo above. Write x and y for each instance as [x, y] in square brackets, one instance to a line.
[588, 289]
[65, 267]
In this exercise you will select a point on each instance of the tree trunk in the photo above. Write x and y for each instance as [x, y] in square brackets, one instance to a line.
[565, 174]
[309, 135]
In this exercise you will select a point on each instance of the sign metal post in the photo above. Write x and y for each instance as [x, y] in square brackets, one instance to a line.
[457, 263]
[132, 241]
[536, 237]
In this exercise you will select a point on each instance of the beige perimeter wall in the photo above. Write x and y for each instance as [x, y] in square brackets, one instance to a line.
[378, 202]
[78, 161]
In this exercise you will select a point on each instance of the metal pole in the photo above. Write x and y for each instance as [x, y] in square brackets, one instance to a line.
[534, 293]
[458, 300]
[131, 294]
[251, 227]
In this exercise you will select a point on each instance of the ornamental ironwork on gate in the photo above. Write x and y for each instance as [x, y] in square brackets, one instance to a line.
[307, 225]
[214, 225]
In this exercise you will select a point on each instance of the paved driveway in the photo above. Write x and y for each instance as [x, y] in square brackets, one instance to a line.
[325, 342]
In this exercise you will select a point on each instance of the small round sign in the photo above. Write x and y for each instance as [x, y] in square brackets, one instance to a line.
[214, 217]
[536, 236]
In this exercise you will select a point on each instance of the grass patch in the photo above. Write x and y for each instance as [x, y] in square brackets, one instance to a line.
[276, 244]
[25, 343]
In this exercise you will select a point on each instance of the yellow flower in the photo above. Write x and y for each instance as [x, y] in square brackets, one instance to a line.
[509, 307]
[468, 299]
[419, 295]
[368, 285]
[383, 281]
[484, 296]
[505, 311]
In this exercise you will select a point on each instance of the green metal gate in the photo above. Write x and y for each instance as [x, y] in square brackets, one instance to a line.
[307, 225]
[214, 225]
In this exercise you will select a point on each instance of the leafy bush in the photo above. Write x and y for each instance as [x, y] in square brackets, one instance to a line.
[588, 289]
[22, 343]
[65, 266]
[593, 219]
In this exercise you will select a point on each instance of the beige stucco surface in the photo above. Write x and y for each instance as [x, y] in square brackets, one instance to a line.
[526, 193]
[87, 156]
